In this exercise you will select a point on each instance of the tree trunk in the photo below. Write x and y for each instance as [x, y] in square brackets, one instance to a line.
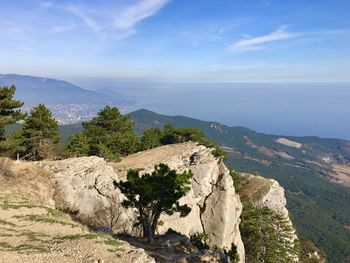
[155, 221]
[146, 220]
[148, 232]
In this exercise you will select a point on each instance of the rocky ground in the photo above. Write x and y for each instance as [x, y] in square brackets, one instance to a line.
[31, 230]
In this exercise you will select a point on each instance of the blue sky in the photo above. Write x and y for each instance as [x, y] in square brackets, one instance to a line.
[178, 40]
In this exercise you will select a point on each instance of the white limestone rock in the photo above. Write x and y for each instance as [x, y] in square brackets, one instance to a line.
[85, 184]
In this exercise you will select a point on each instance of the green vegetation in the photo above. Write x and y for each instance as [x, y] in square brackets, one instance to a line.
[169, 134]
[112, 242]
[32, 236]
[39, 134]
[9, 109]
[154, 194]
[4, 222]
[47, 218]
[236, 181]
[23, 248]
[108, 135]
[232, 254]
[199, 240]
[9, 205]
[36, 138]
[266, 235]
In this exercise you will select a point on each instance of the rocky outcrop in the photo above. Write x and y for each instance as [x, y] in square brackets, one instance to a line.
[85, 185]
[263, 192]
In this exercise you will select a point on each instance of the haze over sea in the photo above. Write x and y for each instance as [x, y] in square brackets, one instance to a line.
[288, 109]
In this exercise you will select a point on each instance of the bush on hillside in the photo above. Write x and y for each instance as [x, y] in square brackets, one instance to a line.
[169, 134]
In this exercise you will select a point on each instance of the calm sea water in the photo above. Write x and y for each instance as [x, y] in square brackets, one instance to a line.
[288, 109]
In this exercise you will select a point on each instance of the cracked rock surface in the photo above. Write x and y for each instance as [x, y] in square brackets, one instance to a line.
[83, 186]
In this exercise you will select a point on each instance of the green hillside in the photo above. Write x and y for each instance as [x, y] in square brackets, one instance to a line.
[320, 209]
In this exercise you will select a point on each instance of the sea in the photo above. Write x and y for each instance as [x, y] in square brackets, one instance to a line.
[295, 109]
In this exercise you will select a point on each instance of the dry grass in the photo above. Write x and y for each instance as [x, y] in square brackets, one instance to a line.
[26, 180]
[254, 187]
[5, 167]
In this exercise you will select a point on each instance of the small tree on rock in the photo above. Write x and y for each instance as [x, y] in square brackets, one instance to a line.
[39, 134]
[154, 194]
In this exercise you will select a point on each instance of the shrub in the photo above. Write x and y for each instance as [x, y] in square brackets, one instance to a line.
[232, 254]
[199, 240]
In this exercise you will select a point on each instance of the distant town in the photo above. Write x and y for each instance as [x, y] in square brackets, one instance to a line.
[77, 113]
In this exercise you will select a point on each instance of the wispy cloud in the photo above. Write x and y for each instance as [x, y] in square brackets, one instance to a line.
[87, 19]
[119, 22]
[129, 17]
[256, 43]
[210, 31]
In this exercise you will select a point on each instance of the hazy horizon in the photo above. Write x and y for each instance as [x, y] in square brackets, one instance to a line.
[273, 66]
[170, 40]
[294, 109]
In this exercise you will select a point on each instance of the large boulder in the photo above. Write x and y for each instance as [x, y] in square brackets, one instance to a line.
[85, 186]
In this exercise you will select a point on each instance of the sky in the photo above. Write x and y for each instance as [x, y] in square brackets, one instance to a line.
[178, 40]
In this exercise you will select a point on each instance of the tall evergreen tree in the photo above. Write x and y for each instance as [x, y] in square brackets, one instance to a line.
[9, 109]
[267, 236]
[108, 135]
[39, 134]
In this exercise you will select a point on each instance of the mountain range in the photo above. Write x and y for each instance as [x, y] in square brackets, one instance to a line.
[68, 102]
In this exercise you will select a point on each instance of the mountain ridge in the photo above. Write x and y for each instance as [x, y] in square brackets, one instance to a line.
[68, 102]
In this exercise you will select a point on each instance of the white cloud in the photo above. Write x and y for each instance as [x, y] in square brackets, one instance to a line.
[130, 16]
[117, 22]
[258, 42]
[88, 20]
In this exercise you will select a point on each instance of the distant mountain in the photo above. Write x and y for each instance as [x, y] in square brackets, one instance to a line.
[68, 102]
[305, 166]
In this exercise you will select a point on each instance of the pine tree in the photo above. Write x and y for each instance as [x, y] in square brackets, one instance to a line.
[154, 194]
[151, 138]
[9, 109]
[78, 145]
[39, 134]
[267, 236]
[108, 135]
